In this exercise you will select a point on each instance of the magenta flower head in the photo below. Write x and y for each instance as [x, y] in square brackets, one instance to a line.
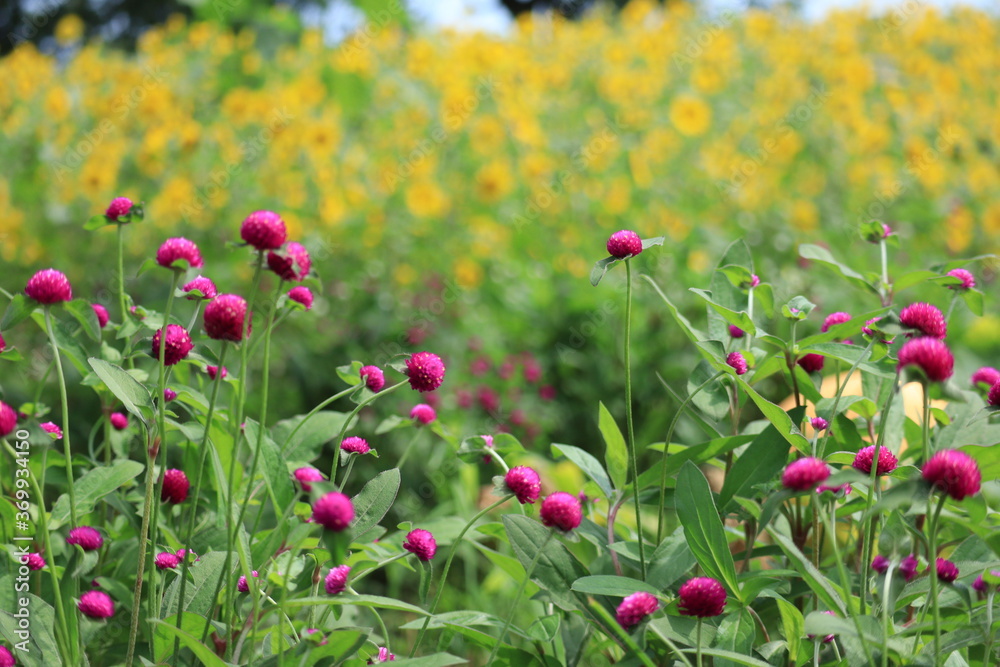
[880, 564]
[870, 329]
[224, 317]
[423, 413]
[624, 244]
[877, 236]
[420, 543]
[177, 250]
[374, 377]
[336, 579]
[169, 394]
[178, 344]
[301, 295]
[954, 472]
[48, 287]
[34, 561]
[804, 474]
[53, 430]
[355, 445]
[264, 230]
[213, 371]
[703, 597]
[8, 420]
[96, 604]
[908, 567]
[834, 319]
[986, 375]
[175, 487]
[925, 318]
[819, 423]
[102, 314]
[737, 362]
[754, 280]
[812, 363]
[334, 511]
[118, 207]
[930, 355]
[835, 490]
[6, 659]
[736, 332]
[167, 561]
[382, 656]
[886, 460]
[88, 538]
[946, 570]
[306, 475]
[635, 608]
[968, 280]
[993, 397]
[202, 285]
[425, 370]
[524, 483]
[290, 263]
[561, 510]
[241, 584]
[980, 584]
[119, 420]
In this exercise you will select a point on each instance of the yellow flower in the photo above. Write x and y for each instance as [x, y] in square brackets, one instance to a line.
[425, 199]
[69, 29]
[493, 182]
[690, 115]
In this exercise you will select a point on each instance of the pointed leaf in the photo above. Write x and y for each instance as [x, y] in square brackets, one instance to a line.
[816, 580]
[18, 310]
[759, 463]
[96, 222]
[600, 268]
[374, 501]
[125, 388]
[588, 464]
[602, 584]
[556, 569]
[823, 256]
[652, 241]
[91, 487]
[615, 450]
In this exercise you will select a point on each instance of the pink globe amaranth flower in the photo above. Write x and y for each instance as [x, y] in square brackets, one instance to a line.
[290, 263]
[383, 656]
[425, 370]
[819, 423]
[532, 372]
[420, 543]
[835, 490]
[6, 659]
[373, 376]
[986, 375]
[177, 250]
[48, 287]
[264, 230]
[635, 608]
[96, 604]
[947, 571]
[524, 483]
[880, 564]
[954, 472]
[488, 399]
[887, 461]
[547, 392]
[336, 579]
[102, 314]
[178, 344]
[213, 371]
[561, 510]
[993, 397]
[736, 332]
[203, 285]
[224, 317]
[169, 394]
[703, 597]
[88, 538]
[737, 362]
[968, 280]
[241, 584]
[306, 475]
[175, 486]
[166, 561]
[925, 318]
[908, 567]
[302, 295]
[118, 207]
[8, 420]
[119, 420]
[3, 343]
[812, 363]
[183, 553]
[979, 584]
[52, 429]
[804, 474]
[754, 280]
[334, 511]
[624, 244]
[423, 413]
[833, 319]
[34, 561]
[930, 355]
[876, 238]
[355, 445]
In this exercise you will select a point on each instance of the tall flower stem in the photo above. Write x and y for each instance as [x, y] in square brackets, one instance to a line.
[447, 566]
[121, 272]
[831, 529]
[842, 386]
[885, 268]
[517, 597]
[624, 638]
[988, 655]
[354, 412]
[932, 569]
[347, 473]
[143, 543]
[67, 450]
[697, 644]
[311, 413]
[927, 422]
[628, 418]
[409, 448]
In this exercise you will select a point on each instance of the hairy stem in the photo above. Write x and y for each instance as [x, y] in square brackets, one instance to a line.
[628, 418]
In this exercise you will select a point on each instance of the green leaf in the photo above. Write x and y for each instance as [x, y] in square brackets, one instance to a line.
[91, 487]
[205, 655]
[816, 580]
[41, 642]
[759, 463]
[600, 268]
[603, 584]
[713, 398]
[374, 501]
[126, 389]
[778, 417]
[740, 319]
[435, 660]
[588, 464]
[350, 374]
[792, 625]
[373, 601]
[913, 279]
[652, 241]
[693, 334]
[823, 256]
[958, 263]
[615, 450]
[544, 628]
[305, 445]
[798, 308]
[18, 310]
[736, 634]
[203, 574]
[96, 222]
[738, 658]
[974, 300]
[671, 561]
[703, 528]
[556, 569]
[163, 641]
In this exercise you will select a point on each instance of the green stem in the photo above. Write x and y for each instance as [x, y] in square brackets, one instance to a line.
[313, 412]
[517, 597]
[886, 616]
[885, 267]
[927, 422]
[143, 533]
[350, 417]
[666, 446]
[377, 566]
[840, 390]
[67, 450]
[447, 566]
[347, 473]
[845, 582]
[791, 360]
[626, 638]
[121, 273]
[867, 531]
[628, 418]
[409, 448]
[988, 655]
[932, 572]
[697, 659]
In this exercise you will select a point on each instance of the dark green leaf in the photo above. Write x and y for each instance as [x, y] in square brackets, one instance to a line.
[615, 450]
[556, 569]
[374, 501]
[759, 463]
[205, 655]
[602, 584]
[601, 268]
[713, 398]
[823, 256]
[588, 464]
[739, 319]
[91, 487]
[18, 310]
[125, 388]
[204, 574]
[816, 580]
[671, 561]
